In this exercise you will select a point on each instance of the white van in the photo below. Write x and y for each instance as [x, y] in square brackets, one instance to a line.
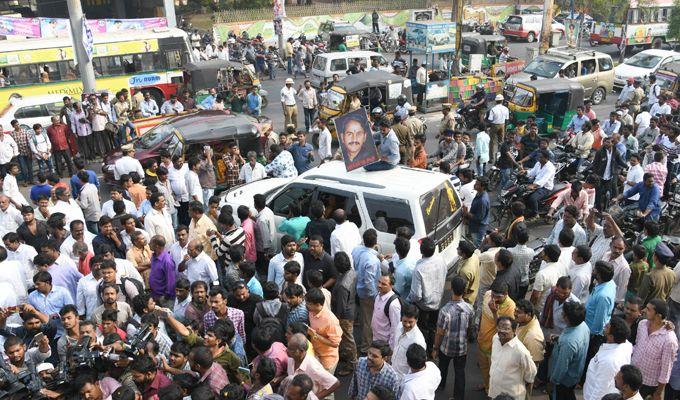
[527, 27]
[326, 65]
[425, 201]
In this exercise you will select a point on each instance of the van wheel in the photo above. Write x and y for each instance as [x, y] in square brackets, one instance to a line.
[657, 43]
[531, 37]
[265, 102]
[598, 95]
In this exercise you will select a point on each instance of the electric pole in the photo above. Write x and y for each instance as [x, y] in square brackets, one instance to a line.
[457, 17]
[546, 31]
[170, 15]
[75, 12]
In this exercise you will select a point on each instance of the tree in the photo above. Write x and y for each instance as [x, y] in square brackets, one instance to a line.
[674, 21]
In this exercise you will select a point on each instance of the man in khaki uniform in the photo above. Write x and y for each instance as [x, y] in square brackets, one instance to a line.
[448, 121]
[413, 123]
[405, 140]
[636, 97]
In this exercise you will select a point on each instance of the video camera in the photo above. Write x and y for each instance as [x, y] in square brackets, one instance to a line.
[24, 385]
[84, 356]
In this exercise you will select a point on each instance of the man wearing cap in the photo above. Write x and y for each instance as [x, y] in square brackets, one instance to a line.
[388, 149]
[127, 163]
[413, 123]
[498, 115]
[626, 92]
[448, 121]
[658, 283]
[288, 103]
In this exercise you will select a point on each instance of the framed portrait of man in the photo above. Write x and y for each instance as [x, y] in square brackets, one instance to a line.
[356, 139]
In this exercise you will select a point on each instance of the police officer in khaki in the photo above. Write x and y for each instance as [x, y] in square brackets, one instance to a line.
[448, 121]
[414, 124]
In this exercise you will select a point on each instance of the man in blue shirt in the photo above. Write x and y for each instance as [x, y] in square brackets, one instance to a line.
[648, 204]
[41, 189]
[478, 214]
[75, 181]
[49, 299]
[602, 299]
[388, 150]
[208, 102]
[302, 152]
[254, 102]
[367, 267]
[577, 121]
[568, 358]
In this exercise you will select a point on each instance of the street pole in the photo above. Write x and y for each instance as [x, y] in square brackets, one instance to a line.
[170, 15]
[75, 12]
[546, 30]
[457, 17]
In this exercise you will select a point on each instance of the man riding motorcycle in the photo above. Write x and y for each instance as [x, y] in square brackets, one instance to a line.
[543, 174]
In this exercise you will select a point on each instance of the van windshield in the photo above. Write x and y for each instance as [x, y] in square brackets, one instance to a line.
[319, 63]
[439, 207]
[334, 100]
[154, 136]
[543, 68]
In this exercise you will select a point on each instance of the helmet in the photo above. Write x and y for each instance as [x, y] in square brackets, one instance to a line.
[377, 112]
[401, 99]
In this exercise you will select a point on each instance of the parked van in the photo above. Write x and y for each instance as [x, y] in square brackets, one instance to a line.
[593, 69]
[527, 27]
[425, 201]
[328, 64]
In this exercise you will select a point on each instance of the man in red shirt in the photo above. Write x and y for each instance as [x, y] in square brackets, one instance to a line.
[148, 377]
[59, 134]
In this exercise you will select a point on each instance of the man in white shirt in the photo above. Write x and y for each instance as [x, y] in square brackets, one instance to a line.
[116, 193]
[634, 175]
[21, 252]
[252, 170]
[10, 217]
[325, 140]
[654, 91]
[88, 201]
[194, 188]
[621, 268]
[547, 277]
[346, 236]
[172, 106]
[10, 187]
[543, 174]
[127, 163]
[200, 267]
[8, 150]
[384, 325]
[158, 221]
[14, 274]
[628, 382]
[78, 234]
[66, 205]
[421, 81]
[424, 376]
[148, 107]
[87, 295]
[642, 121]
[626, 91]
[498, 116]
[180, 249]
[41, 147]
[288, 94]
[660, 108]
[467, 190]
[512, 367]
[611, 356]
[406, 334]
[177, 177]
[581, 272]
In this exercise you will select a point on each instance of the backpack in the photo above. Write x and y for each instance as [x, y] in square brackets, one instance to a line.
[392, 298]
[138, 285]
[275, 323]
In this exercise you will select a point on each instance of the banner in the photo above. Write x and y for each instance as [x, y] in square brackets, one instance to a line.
[356, 139]
[20, 26]
[88, 40]
[573, 30]
[279, 9]
[431, 37]
[60, 27]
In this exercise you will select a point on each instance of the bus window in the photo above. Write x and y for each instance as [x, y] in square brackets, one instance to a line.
[23, 74]
[108, 65]
[151, 62]
[173, 59]
[131, 63]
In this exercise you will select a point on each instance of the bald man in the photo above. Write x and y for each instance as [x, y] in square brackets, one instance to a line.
[199, 265]
[302, 363]
[346, 236]
[10, 217]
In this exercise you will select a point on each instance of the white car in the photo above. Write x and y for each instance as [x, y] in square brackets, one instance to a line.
[425, 201]
[642, 65]
[32, 110]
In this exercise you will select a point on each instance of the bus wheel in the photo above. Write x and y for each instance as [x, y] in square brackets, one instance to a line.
[657, 43]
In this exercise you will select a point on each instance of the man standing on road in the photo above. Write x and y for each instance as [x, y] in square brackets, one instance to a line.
[288, 103]
[498, 115]
[58, 134]
[309, 104]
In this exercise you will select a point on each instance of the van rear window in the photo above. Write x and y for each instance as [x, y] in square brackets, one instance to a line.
[514, 20]
[320, 63]
[440, 210]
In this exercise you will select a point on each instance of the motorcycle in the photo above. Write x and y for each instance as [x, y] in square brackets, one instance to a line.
[486, 29]
[387, 43]
[518, 190]
[467, 116]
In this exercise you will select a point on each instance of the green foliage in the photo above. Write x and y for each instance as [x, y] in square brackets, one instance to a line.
[674, 21]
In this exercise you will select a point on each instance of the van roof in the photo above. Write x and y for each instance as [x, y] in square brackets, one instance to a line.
[349, 54]
[566, 53]
[402, 182]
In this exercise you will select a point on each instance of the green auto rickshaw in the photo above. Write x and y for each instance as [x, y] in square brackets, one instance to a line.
[489, 46]
[552, 101]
